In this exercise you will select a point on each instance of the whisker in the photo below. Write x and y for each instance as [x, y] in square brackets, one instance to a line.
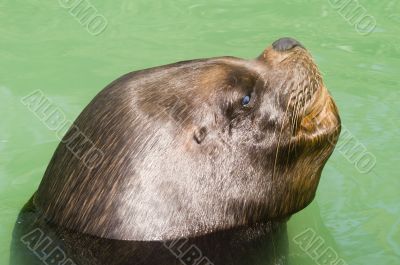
[280, 134]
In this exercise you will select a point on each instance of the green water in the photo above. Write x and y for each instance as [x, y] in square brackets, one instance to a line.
[356, 214]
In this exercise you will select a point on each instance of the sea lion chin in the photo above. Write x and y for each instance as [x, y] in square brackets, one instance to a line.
[196, 147]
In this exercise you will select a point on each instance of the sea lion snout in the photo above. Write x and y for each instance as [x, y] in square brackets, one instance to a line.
[304, 99]
[285, 44]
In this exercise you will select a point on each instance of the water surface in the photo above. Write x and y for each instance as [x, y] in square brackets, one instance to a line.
[356, 214]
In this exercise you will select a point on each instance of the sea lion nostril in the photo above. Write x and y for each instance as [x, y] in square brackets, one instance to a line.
[285, 44]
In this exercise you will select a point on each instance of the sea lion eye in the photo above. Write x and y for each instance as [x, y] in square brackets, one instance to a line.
[246, 100]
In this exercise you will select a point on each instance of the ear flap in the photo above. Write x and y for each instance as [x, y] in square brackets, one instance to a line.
[200, 134]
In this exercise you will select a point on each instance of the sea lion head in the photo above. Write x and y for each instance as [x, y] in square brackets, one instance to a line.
[196, 147]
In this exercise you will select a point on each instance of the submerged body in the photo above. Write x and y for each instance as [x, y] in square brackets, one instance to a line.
[258, 244]
[220, 151]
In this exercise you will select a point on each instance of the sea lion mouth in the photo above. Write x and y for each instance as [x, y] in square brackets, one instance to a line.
[311, 110]
[314, 113]
[320, 117]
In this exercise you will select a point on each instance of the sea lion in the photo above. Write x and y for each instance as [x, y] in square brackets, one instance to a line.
[211, 150]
